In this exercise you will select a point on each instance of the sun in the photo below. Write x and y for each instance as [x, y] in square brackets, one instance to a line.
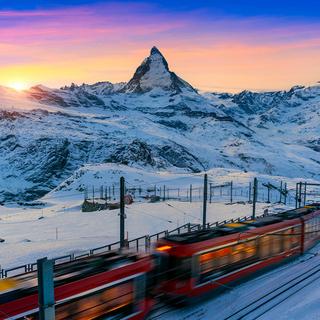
[19, 86]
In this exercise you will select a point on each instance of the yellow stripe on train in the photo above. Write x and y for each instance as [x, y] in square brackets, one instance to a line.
[7, 284]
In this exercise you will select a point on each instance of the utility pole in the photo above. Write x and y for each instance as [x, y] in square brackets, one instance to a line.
[122, 213]
[45, 289]
[255, 195]
[205, 195]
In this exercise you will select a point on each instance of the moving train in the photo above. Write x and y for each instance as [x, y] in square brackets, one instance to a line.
[123, 285]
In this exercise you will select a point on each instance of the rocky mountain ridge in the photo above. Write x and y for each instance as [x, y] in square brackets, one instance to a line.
[155, 121]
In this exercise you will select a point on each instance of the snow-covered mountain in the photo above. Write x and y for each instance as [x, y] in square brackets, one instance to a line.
[156, 121]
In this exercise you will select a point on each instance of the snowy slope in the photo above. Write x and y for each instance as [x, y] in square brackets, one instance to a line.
[156, 121]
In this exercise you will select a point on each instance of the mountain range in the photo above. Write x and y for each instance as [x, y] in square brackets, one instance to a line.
[155, 121]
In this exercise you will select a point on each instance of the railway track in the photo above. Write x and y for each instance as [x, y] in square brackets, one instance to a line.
[256, 297]
[273, 298]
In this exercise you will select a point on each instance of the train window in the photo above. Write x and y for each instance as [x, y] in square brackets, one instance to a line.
[217, 262]
[113, 302]
[211, 263]
[266, 242]
[277, 243]
[296, 236]
[243, 251]
[287, 240]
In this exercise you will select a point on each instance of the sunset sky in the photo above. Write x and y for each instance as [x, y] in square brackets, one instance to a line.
[225, 45]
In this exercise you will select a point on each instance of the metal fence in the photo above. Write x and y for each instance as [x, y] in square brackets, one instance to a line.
[140, 244]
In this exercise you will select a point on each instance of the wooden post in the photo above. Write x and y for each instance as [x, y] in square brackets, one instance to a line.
[164, 193]
[122, 213]
[205, 195]
[45, 289]
[231, 190]
[190, 193]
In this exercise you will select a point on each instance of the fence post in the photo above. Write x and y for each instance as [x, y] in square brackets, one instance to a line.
[297, 195]
[122, 213]
[101, 192]
[190, 193]
[268, 187]
[45, 289]
[300, 195]
[280, 196]
[205, 194]
[285, 193]
[92, 194]
[231, 190]
[255, 195]
[164, 193]
[305, 194]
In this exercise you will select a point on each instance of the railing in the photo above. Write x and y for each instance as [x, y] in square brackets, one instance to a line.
[142, 243]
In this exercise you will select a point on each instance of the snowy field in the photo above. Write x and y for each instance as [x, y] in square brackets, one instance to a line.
[62, 228]
[59, 227]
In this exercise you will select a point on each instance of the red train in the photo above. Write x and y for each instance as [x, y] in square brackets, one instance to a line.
[125, 286]
[199, 262]
[112, 285]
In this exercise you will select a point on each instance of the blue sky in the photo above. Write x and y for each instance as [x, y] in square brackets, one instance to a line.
[283, 8]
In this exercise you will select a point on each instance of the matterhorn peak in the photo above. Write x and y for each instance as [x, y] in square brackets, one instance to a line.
[154, 73]
[155, 50]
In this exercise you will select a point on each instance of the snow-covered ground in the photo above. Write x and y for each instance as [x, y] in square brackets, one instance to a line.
[61, 228]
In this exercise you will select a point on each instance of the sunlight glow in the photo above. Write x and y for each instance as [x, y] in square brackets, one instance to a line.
[19, 86]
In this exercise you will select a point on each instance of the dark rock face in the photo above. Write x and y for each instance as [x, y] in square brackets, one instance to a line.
[137, 152]
[140, 153]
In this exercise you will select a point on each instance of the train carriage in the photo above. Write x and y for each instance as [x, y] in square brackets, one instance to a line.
[201, 261]
[112, 285]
